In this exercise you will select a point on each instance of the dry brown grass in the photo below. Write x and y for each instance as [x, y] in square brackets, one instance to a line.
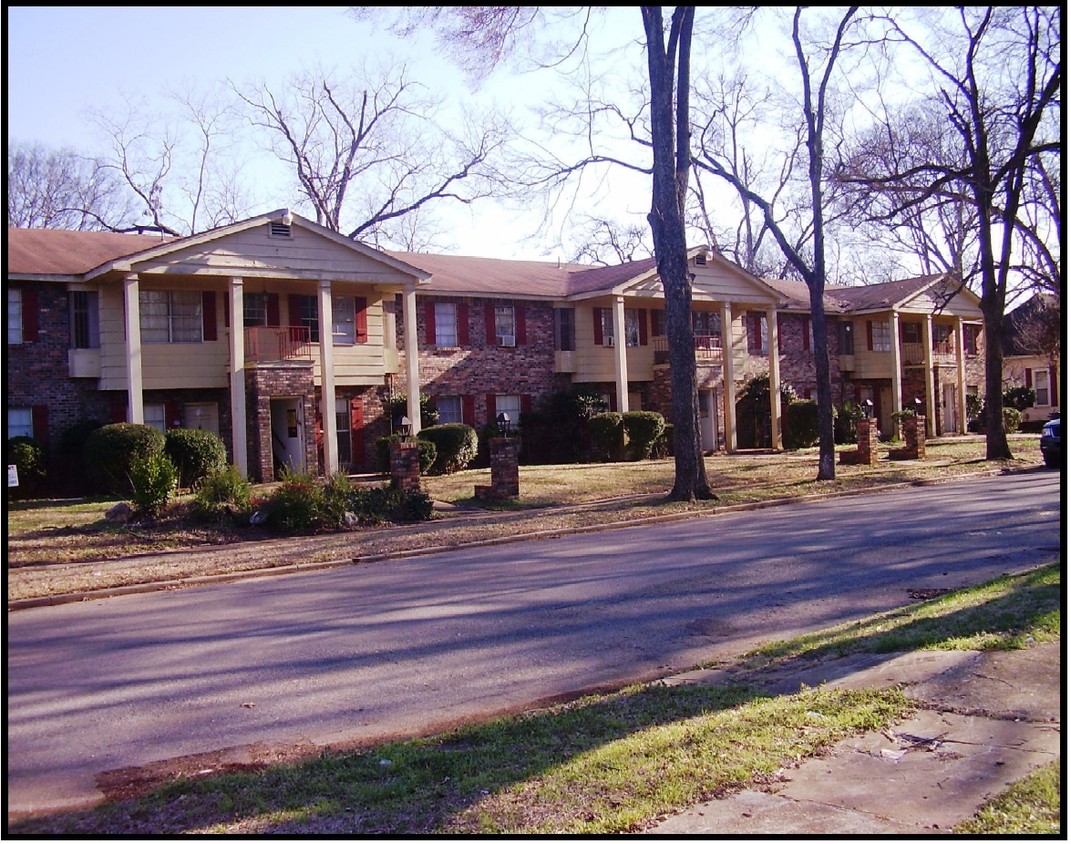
[61, 548]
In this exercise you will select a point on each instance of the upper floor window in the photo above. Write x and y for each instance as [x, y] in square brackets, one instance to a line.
[942, 334]
[971, 335]
[632, 327]
[505, 325]
[658, 323]
[308, 316]
[565, 329]
[758, 333]
[85, 320]
[445, 324]
[170, 316]
[14, 318]
[845, 340]
[706, 324]
[911, 332]
[879, 335]
[254, 309]
[606, 315]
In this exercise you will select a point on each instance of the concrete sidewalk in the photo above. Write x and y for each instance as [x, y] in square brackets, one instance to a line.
[985, 720]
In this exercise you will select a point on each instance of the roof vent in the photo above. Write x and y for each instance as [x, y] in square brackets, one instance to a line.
[277, 228]
[701, 259]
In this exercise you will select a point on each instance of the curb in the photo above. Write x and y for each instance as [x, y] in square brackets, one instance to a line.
[299, 568]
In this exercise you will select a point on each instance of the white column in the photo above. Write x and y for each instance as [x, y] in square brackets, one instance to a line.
[412, 361]
[775, 377]
[927, 362]
[897, 374]
[327, 378]
[236, 372]
[728, 377]
[135, 405]
[620, 358]
[961, 379]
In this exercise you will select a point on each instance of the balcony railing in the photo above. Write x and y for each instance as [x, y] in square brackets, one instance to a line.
[913, 353]
[264, 344]
[707, 350]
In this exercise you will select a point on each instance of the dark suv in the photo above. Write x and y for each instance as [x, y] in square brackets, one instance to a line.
[1052, 443]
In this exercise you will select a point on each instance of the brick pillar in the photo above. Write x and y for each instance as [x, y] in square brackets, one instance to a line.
[867, 437]
[915, 437]
[505, 476]
[405, 465]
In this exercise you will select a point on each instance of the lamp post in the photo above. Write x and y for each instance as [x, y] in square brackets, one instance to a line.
[503, 424]
[868, 408]
[918, 406]
[406, 426]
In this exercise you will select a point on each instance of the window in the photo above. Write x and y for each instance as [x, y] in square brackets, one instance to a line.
[564, 329]
[309, 317]
[343, 321]
[845, 341]
[449, 408]
[971, 334]
[607, 317]
[632, 328]
[880, 336]
[511, 406]
[1041, 387]
[658, 323]
[156, 416]
[706, 324]
[505, 326]
[758, 339]
[942, 335]
[14, 317]
[19, 422]
[445, 324]
[254, 309]
[342, 432]
[911, 332]
[85, 320]
[170, 316]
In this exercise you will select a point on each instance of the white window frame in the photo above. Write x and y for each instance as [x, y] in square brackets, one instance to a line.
[14, 316]
[881, 336]
[343, 320]
[85, 319]
[505, 326]
[511, 405]
[445, 324]
[632, 328]
[450, 409]
[1041, 386]
[156, 416]
[170, 316]
[342, 432]
[254, 309]
[19, 422]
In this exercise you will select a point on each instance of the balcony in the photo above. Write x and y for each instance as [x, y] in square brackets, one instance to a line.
[912, 354]
[269, 344]
[707, 350]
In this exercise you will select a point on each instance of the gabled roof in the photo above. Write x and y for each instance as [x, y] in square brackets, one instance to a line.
[39, 252]
[468, 276]
[1018, 320]
[867, 297]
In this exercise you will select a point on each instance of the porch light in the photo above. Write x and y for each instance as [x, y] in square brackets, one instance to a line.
[503, 424]
[918, 406]
[868, 408]
[406, 426]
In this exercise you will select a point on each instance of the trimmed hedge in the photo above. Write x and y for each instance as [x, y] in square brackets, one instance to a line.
[427, 452]
[111, 450]
[607, 434]
[642, 430]
[801, 424]
[195, 453]
[455, 444]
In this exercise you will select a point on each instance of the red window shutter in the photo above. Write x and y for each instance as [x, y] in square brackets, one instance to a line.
[657, 319]
[429, 323]
[869, 336]
[1030, 378]
[208, 315]
[356, 432]
[119, 410]
[489, 324]
[360, 319]
[779, 332]
[597, 324]
[468, 410]
[641, 318]
[491, 409]
[806, 334]
[294, 306]
[1053, 399]
[752, 333]
[522, 329]
[526, 403]
[462, 324]
[29, 315]
[273, 309]
[172, 415]
[227, 311]
[39, 421]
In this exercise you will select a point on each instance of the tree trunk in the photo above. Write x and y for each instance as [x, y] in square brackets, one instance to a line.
[826, 442]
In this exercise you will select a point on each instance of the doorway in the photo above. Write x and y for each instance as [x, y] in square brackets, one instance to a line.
[287, 435]
[948, 409]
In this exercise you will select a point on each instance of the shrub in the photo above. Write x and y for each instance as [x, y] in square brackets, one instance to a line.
[1012, 418]
[427, 452]
[223, 493]
[974, 411]
[153, 480]
[642, 430]
[556, 431]
[73, 479]
[29, 459]
[1020, 397]
[607, 436]
[455, 446]
[663, 446]
[801, 424]
[111, 450]
[195, 453]
[398, 406]
[296, 504]
[845, 421]
[337, 500]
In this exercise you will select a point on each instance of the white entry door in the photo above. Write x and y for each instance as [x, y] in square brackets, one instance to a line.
[288, 433]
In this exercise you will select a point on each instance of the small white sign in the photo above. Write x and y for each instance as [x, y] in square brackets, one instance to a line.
[12, 474]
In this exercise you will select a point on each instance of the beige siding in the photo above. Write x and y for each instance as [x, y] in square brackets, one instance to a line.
[112, 339]
[184, 365]
[719, 284]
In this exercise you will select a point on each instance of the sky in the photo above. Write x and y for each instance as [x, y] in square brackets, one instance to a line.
[64, 61]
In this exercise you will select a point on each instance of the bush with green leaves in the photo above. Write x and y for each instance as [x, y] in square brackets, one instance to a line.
[847, 417]
[1012, 419]
[153, 480]
[297, 504]
[337, 500]
[642, 430]
[455, 446]
[1020, 398]
[663, 446]
[398, 406]
[427, 452]
[607, 434]
[28, 458]
[195, 453]
[111, 450]
[801, 424]
[73, 478]
[224, 493]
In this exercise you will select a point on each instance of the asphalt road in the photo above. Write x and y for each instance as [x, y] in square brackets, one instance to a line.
[412, 645]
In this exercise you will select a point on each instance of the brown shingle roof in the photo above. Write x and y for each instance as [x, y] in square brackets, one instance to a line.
[839, 299]
[58, 252]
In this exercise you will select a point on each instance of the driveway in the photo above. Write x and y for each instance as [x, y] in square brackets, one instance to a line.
[366, 652]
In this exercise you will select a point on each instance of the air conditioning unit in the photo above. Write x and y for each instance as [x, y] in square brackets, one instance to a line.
[507, 340]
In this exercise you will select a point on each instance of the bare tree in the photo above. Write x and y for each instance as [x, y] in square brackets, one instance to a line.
[807, 256]
[371, 151]
[61, 189]
[998, 76]
[600, 238]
